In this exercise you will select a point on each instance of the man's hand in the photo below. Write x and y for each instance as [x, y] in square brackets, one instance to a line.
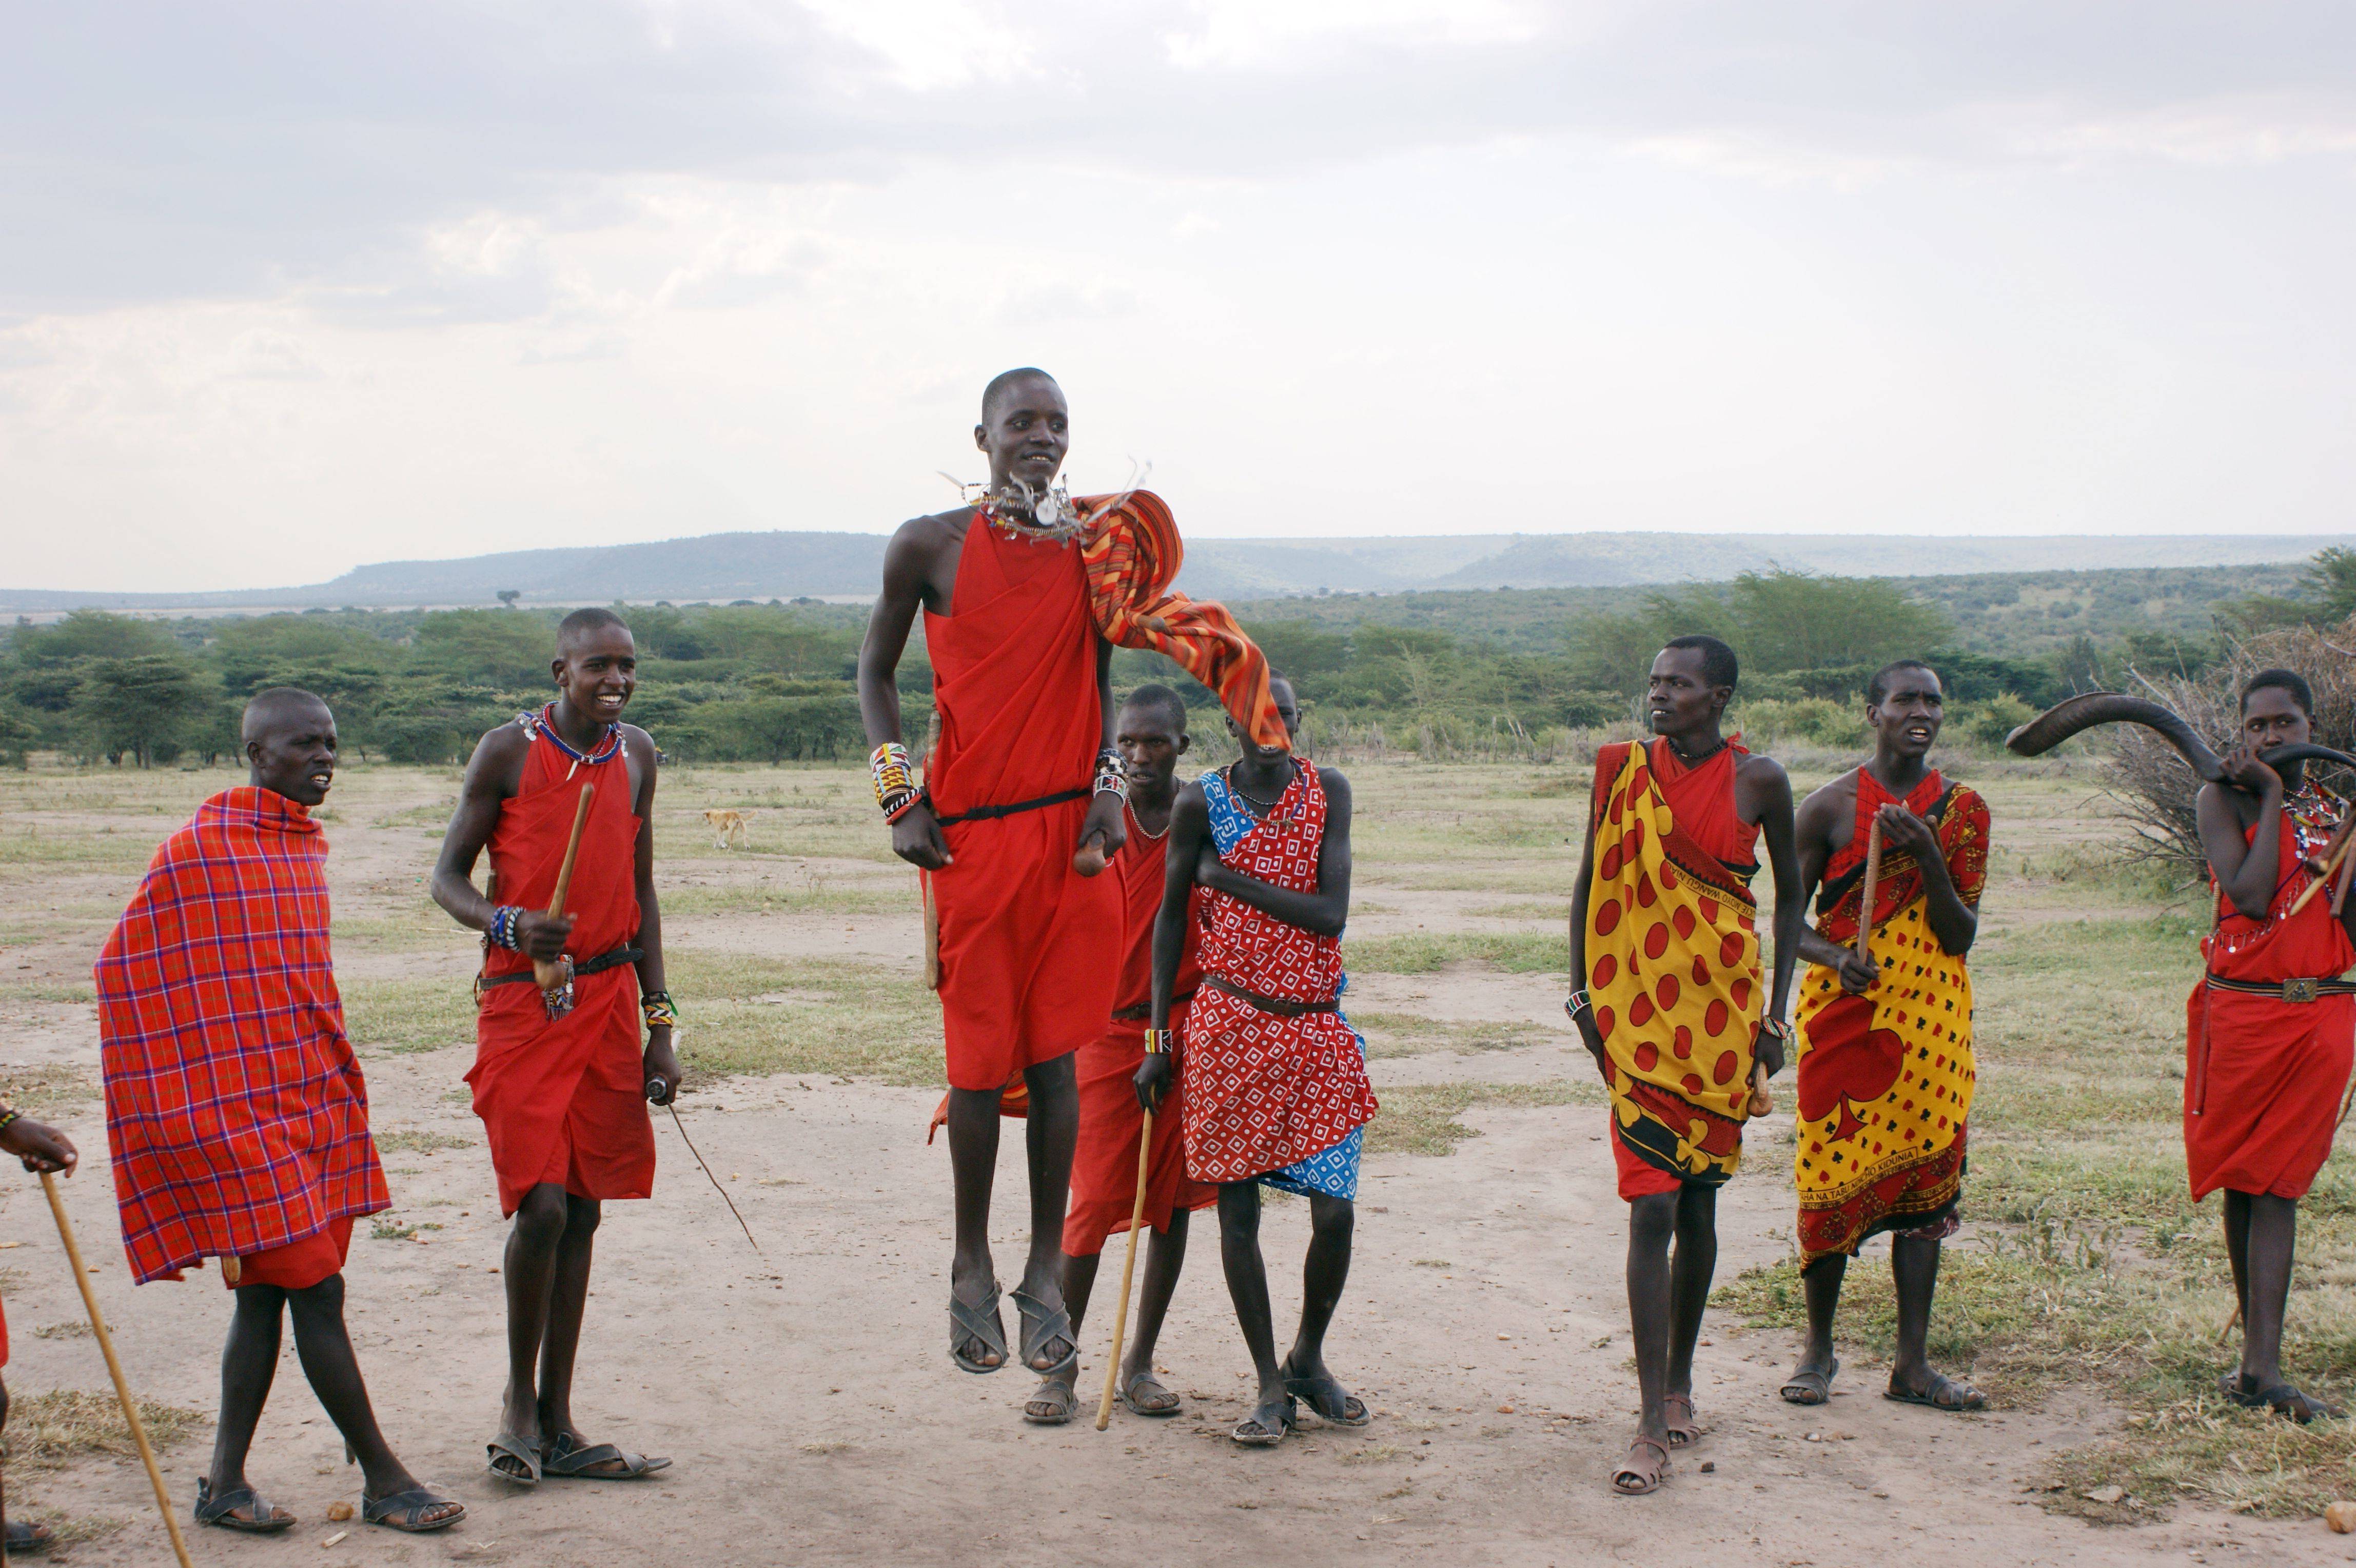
[2245, 772]
[41, 1146]
[661, 1062]
[916, 839]
[1901, 829]
[543, 937]
[1857, 972]
[1769, 1049]
[1106, 823]
[1153, 1078]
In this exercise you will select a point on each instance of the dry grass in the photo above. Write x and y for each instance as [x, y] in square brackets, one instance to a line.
[45, 1088]
[1421, 1119]
[47, 1430]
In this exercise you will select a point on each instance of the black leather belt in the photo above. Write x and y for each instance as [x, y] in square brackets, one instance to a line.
[984, 814]
[603, 961]
[2286, 989]
[1283, 1007]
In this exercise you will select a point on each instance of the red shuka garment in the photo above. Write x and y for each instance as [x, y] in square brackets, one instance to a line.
[1029, 948]
[565, 1099]
[2263, 1077]
[1104, 1163]
[1701, 798]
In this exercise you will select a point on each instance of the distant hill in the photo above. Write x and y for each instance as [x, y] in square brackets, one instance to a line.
[721, 567]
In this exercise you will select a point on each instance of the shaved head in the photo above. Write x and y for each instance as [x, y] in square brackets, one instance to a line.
[279, 708]
[1006, 381]
[1161, 701]
[582, 622]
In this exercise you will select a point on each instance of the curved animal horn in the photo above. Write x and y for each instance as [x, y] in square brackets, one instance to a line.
[2072, 715]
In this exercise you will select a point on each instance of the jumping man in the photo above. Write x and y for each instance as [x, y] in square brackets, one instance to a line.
[560, 1079]
[1664, 952]
[1273, 1077]
[236, 1111]
[1151, 735]
[1884, 1042]
[1024, 778]
[2270, 1026]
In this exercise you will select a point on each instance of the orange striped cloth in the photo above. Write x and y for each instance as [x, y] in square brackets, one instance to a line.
[1132, 555]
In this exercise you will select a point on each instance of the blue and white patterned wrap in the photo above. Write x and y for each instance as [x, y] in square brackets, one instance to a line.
[1333, 1171]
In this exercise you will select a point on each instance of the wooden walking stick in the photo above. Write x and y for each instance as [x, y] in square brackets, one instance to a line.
[1873, 875]
[555, 976]
[1127, 1271]
[2333, 857]
[114, 1367]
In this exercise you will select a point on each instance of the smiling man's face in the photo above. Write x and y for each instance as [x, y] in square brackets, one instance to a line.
[1026, 430]
[290, 747]
[597, 669]
[1910, 711]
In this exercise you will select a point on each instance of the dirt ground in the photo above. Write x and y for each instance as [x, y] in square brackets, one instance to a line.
[815, 1418]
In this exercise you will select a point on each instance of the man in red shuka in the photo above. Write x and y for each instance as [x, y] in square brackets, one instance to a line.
[560, 1079]
[1020, 808]
[1151, 735]
[2271, 1026]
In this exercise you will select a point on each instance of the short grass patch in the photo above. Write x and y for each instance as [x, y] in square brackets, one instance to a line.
[1411, 1034]
[410, 1141]
[400, 1016]
[758, 1016]
[1422, 952]
[45, 1088]
[1421, 1119]
[47, 1430]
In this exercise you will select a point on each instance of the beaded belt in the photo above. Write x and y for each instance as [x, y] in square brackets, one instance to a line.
[1281, 1007]
[2286, 989]
[1144, 1010]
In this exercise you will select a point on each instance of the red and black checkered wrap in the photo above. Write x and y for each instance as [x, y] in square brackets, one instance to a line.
[237, 1114]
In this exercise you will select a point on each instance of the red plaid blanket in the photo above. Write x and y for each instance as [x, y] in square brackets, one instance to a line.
[1131, 554]
[237, 1114]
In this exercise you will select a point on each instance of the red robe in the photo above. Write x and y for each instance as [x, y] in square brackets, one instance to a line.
[1701, 800]
[2263, 1077]
[235, 1109]
[1029, 948]
[565, 1099]
[1104, 1164]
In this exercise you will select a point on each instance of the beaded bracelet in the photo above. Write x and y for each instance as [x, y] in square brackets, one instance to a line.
[9, 1116]
[1161, 1042]
[503, 929]
[896, 787]
[894, 811]
[1113, 773]
[657, 1009]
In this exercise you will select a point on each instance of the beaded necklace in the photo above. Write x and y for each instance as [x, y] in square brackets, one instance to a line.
[544, 722]
[1049, 517]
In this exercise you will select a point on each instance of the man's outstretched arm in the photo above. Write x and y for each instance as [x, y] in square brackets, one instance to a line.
[1322, 913]
[1773, 789]
[492, 775]
[907, 563]
[1190, 830]
[661, 1061]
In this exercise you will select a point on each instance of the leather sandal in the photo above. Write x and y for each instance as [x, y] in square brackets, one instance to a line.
[570, 1459]
[409, 1510]
[220, 1511]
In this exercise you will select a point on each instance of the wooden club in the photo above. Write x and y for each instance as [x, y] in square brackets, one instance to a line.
[551, 976]
[1128, 1271]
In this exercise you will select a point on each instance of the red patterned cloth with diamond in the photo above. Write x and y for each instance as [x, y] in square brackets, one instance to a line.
[1673, 962]
[1263, 1091]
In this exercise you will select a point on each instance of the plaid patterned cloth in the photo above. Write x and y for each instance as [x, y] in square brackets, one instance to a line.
[237, 1114]
[1131, 554]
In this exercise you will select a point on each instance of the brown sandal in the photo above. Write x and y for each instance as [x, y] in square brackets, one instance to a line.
[1680, 1412]
[1636, 1477]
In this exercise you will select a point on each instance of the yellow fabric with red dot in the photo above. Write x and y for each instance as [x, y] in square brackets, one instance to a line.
[1673, 974]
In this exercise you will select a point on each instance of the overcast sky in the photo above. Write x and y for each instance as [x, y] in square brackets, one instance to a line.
[286, 287]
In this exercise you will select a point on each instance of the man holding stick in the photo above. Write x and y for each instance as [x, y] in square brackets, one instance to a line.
[236, 1111]
[563, 798]
[1273, 1077]
[2271, 1027]
[1151, 735]
[44, 1149]
[1664, 954]
[1897, 856]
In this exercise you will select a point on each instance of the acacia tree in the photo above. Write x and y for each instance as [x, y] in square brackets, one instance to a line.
[131, 706]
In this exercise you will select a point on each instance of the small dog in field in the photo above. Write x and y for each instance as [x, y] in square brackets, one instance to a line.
[725, 826]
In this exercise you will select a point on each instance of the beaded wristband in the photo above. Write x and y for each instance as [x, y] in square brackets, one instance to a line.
[894, 785]
[1113, 773]
[656, 1008]
[503, 929]
[895, 810]
[10, 1115]
[1161, 1042]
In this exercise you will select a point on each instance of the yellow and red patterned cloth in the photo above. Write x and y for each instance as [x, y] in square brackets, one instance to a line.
[1885, 1079]
[1673, 962]
[1133, 554]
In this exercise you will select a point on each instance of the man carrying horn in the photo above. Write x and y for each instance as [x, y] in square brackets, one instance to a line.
[2270, 1026]
[1885, 1063]
[1664, 952]
[560, 1079]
